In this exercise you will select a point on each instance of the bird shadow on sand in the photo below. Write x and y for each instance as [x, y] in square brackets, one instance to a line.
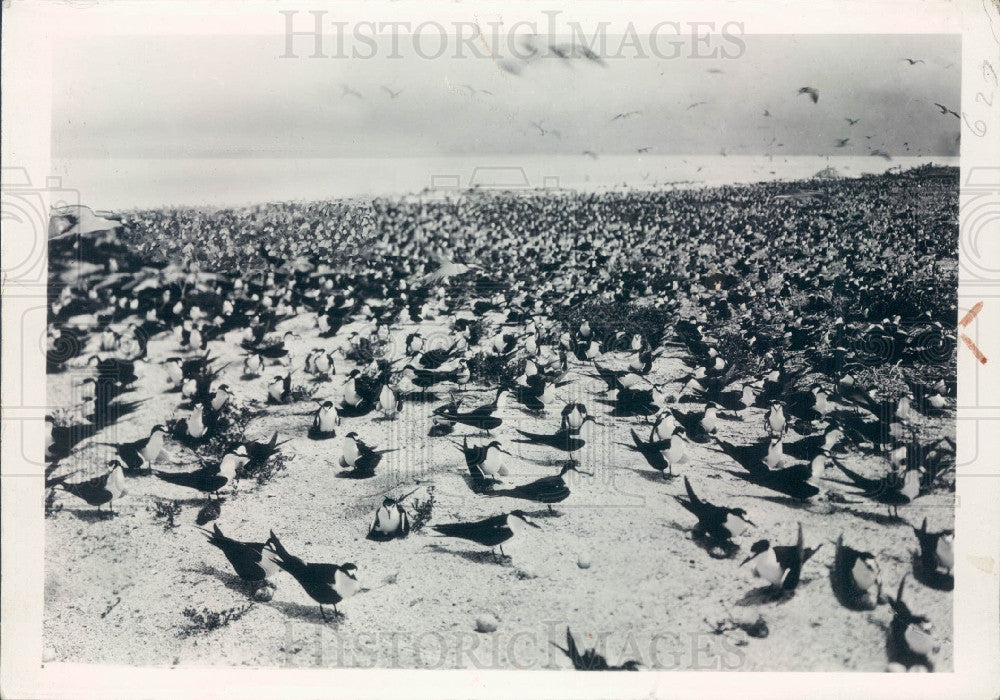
[875, 517]
[764, 595]
[477, 485]
[196, 501]
[787, 501]
[476, 556]
[229, 580]
[93, 516]
[307, 613]
[544, 513]
[711, 547]
[354, 474]
[655, 476]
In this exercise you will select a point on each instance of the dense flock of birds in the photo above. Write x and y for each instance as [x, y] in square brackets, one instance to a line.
[823, 317]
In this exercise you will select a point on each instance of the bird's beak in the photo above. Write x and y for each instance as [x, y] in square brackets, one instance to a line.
[751, 524]
[746, 560]
[534, 525]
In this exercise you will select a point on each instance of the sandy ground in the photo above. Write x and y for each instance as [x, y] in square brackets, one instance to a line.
[115, 588]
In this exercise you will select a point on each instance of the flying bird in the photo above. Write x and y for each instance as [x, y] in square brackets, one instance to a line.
[696, 104]
[625, 115]
[393, 94]
[473, 91]
[349, 91]
[446, 271]
[850, 121]
[913, 61]
[842, 142]
[945, 110]
[811, 91]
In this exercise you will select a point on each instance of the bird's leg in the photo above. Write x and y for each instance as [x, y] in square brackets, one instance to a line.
[552, 512]
[323, 613]
[501, 552]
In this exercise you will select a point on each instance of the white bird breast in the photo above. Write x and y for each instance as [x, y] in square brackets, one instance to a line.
[766, 567]
[736, 525]
[195, 426]
[345, 585]
[919, 640]
[230, 463]
[493, 462]
[387, 399]
[945, 553]
[322, 362]
[388, 520]
[152, 449]
[351, 394]
[574, 419]
[864, 575]
[351, 453]
[327, 419]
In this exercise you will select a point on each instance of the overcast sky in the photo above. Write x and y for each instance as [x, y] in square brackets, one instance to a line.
[232, 97]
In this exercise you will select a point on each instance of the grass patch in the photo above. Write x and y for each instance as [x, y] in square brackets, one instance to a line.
[422, 509]
[264, 472]
[167, 511]
[205, 621]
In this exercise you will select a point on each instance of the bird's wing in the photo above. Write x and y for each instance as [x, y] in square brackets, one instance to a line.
[322, 573]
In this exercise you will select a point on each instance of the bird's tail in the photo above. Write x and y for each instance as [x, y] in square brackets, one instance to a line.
[213, 537]
[276, 545]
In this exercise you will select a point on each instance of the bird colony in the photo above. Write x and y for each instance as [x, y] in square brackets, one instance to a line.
[707, 428]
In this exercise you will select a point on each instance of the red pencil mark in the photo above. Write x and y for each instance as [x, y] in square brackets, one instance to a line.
[975, 351]
[967, 319]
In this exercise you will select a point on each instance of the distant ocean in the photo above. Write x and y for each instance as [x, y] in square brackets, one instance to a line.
[143, 183]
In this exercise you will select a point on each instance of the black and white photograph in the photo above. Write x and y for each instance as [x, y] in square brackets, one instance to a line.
[506, 346]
